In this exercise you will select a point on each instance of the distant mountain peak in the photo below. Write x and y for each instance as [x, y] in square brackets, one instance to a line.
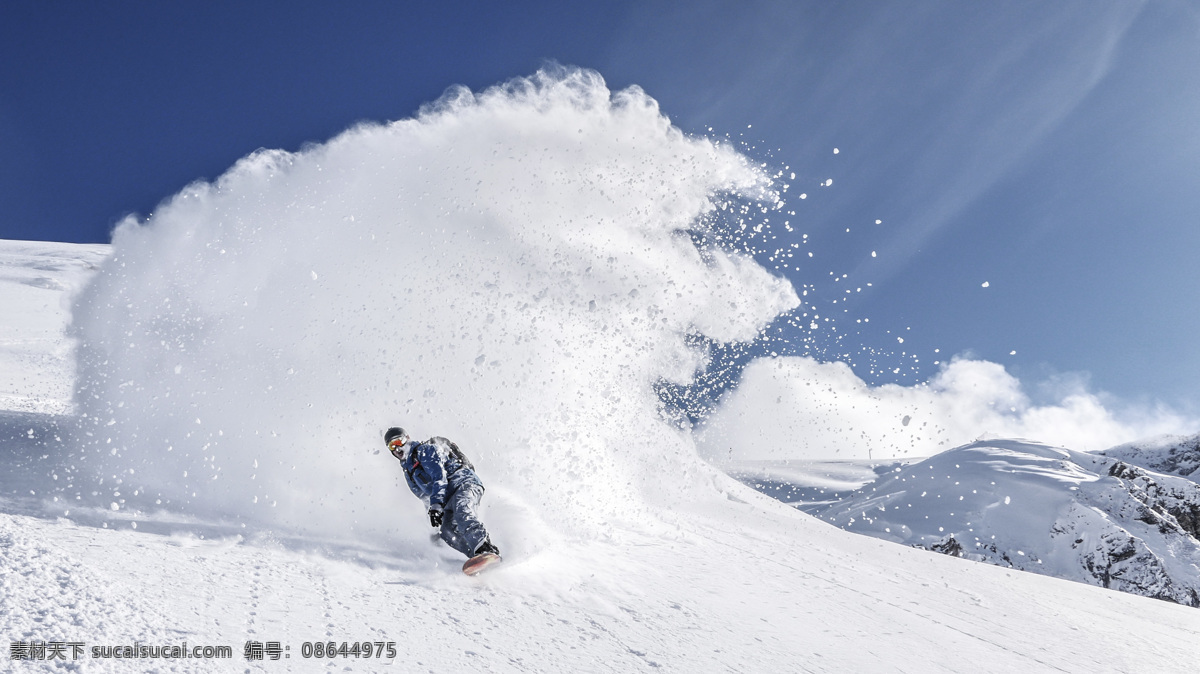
[1081, 516]
[1170, 454]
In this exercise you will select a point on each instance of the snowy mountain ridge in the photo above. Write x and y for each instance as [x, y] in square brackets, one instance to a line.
[1073, 515]
[1170, 454]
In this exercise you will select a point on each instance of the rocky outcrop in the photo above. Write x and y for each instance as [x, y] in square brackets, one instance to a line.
[1113, 557]
[1173, 508]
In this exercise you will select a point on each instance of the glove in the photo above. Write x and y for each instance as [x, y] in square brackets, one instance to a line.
[435, 517]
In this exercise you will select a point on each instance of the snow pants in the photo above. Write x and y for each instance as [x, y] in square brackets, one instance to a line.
[461, 528]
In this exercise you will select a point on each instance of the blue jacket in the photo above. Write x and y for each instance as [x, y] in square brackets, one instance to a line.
[433, 471]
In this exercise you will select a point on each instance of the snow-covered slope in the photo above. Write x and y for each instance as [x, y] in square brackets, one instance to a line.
[1028, 506]
[808, 483]
[36, 363]
[743, 585]
[746, 587]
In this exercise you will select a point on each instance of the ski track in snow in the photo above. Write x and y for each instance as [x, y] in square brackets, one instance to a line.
[836, 602]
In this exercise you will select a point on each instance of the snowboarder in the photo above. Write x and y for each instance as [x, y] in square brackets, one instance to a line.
[439, 474]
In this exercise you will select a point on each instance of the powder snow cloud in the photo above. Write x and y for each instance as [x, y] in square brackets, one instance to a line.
[509, 268]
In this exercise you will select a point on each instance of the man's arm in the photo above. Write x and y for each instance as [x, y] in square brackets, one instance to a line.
[434, 462]
[412, 485]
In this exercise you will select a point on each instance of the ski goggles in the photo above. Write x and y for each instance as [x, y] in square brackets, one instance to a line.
[397, 443]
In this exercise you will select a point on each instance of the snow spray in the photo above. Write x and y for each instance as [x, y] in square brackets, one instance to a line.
[515, 269]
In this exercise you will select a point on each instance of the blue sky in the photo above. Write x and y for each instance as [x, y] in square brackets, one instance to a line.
[1051, 150]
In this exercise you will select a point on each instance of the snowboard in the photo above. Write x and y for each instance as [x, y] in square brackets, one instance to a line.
[478, 563]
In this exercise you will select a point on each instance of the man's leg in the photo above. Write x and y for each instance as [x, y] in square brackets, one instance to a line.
[461, 528]
[447, 531]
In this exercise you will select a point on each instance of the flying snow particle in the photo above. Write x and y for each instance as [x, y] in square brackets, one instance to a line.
[986, 284]
[835, 150]
[873, 254]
